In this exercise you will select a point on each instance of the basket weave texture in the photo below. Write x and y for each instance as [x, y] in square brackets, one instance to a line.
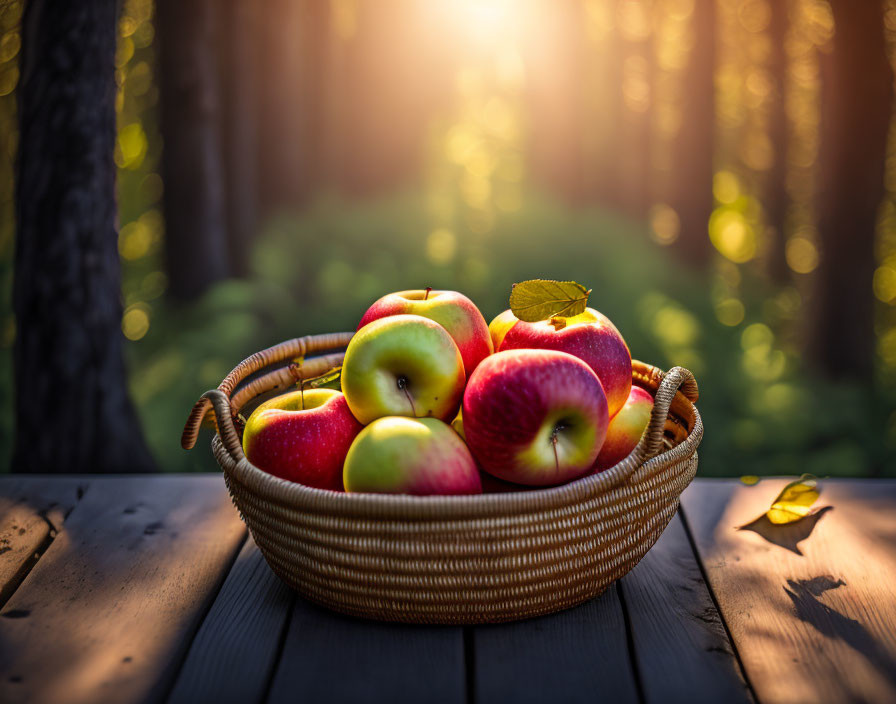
[454, 559]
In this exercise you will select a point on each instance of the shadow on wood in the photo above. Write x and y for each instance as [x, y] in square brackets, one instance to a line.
[805, 593]
[789, 535]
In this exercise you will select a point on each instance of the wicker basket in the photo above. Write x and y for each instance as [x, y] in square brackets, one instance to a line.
[454, 559]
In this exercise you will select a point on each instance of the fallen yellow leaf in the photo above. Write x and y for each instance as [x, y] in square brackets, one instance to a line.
[749, 479]
[795, 501]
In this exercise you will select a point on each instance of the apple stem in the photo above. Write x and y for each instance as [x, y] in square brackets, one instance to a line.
[426, 295]
[554, 434]
[302, 395]
[403, 385]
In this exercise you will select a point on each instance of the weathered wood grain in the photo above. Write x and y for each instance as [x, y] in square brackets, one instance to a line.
[681, 648]
[810, 606]
[332, 658]
[32, 509]
[579, 655]
[232, 657]
[109, 610]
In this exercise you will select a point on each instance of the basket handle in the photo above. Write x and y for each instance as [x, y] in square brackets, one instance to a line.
[220, 404]
[677, 380]
[297, 347]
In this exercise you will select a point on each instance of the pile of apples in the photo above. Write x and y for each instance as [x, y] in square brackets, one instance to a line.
[435, 401]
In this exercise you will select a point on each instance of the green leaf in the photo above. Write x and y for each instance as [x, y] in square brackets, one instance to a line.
[795, 501]
[331, 379]
[540, 299]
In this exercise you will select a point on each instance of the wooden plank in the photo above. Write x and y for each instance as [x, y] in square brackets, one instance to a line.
[681, 648]
[32, 509]
[809, 606]
[108, 612]
[233, 656]
[332, 658]
[579, 655]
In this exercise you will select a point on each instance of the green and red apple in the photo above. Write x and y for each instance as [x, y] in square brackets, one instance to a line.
[302, 437]
[403, 365]
[398, 455]
[589, 336]
[450, 309]
[499, 327]
[535, 416]
[626, 429]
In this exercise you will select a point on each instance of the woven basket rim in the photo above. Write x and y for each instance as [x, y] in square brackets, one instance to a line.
[411, 507]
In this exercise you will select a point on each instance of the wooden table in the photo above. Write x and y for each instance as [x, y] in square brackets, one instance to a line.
[127, 589]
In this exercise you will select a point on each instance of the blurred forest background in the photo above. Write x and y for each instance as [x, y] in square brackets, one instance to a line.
[721, 172]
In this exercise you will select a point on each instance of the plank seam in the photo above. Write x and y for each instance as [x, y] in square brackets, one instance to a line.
[715, 602]
[469, 643]
[281, 646]
[630, 642]
[213, 597]
[25, 569]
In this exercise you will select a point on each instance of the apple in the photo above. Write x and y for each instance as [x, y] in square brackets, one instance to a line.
[493, 485]
[499, 326]
[302, 438]
[403, 365]
[535, 417]
[458, 423]
[626, 429]
[397, 455]
[589, 336]
[450, 309]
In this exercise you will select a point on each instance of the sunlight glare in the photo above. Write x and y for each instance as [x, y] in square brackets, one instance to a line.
[486, 20]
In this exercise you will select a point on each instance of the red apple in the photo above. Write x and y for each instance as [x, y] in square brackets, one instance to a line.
[397, 455]
[589, 336]
[626, 429]
[535, 417]
[304, 442]
[450, 309]
[493, 485]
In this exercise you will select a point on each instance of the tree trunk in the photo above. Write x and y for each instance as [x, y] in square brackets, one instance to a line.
[192, 166]
[315, 72]
[387, 98]
[240, 129]
[777, 201]
[606, 114]
[72, 409]
[857, 94]
[696, 142]
[558, 102]
[281, 43]
[635, 131]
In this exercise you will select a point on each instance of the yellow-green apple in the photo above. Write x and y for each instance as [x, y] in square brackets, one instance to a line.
[458, 423]
[499, 326]
[535, 417]
[450, 309]
[402, 365]
[302, 437]
[626, 429]
[589, 336]
[397, 455]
